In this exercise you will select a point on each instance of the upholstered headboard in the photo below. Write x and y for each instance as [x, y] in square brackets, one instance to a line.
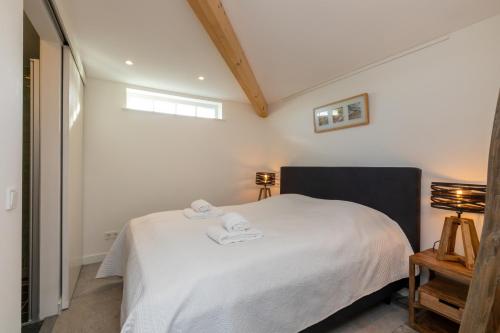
[393, 191]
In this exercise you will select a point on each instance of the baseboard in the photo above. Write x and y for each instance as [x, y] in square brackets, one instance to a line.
[93, 258]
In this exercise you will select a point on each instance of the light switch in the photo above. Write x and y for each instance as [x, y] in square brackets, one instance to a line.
[10, 199]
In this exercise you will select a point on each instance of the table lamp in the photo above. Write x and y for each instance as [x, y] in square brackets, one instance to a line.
[265, 179]
[460, 198]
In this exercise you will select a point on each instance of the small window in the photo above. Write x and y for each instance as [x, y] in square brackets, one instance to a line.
[142, 100]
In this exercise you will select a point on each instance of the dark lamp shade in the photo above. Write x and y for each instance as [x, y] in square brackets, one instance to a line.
[458, 197]
[265, 178]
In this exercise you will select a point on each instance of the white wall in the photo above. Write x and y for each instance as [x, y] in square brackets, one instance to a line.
[137, 163]
[432, 109]
[72, 130]
[11, 80]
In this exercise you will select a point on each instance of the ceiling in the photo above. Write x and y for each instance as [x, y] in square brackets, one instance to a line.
[291, 45]
[164, 39]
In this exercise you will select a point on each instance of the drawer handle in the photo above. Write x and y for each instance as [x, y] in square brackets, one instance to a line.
[449, 304]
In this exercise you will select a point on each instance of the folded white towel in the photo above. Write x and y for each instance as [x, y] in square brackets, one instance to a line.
[201, 206]
[234, 222]
[223, 237]
[214, 212]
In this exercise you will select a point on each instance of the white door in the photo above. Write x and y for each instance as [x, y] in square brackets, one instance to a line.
[72, 224]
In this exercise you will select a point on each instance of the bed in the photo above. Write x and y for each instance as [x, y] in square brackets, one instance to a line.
[336, 241]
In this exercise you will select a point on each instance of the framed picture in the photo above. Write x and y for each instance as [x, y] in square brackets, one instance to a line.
[350, 112]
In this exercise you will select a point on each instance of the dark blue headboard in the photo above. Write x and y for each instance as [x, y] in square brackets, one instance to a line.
[393, 191]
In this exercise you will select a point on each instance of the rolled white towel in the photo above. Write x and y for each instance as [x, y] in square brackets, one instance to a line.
[234, 222]
[223, 237]
[201, 206]
[212, 213]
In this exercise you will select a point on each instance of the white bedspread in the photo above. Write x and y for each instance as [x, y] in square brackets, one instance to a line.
[316, 257]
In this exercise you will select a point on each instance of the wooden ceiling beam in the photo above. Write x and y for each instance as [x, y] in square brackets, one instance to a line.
[213, 17]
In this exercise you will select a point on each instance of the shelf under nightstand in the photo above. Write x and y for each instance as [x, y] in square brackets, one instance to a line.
[442, 300]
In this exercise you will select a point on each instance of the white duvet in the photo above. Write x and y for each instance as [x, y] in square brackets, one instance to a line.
[316, 257]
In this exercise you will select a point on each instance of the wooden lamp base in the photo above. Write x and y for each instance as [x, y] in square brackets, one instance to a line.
[264, 192]
[446, 249]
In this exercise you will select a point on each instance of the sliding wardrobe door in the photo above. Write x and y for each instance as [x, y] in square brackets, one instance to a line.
[72, 139]
[50, 178]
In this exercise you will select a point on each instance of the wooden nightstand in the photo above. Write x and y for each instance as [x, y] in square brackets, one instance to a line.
[441, 301]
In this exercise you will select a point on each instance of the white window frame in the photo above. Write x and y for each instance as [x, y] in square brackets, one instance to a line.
[155, 98]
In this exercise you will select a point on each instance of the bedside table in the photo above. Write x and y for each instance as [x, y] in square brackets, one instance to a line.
[441, 301]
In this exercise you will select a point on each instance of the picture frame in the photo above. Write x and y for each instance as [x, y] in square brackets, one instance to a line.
[349, 112]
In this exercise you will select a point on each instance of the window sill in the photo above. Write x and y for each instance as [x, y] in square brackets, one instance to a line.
[171, 115]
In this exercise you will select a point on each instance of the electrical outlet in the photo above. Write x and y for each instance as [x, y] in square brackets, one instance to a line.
[109, 235]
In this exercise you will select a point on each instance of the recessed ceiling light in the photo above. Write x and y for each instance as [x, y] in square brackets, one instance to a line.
[129, 62]
[201, 78]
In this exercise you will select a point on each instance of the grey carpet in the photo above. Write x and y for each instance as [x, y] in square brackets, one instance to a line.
[405, 329]
[48, 324]
[95, 308]
[31, 328]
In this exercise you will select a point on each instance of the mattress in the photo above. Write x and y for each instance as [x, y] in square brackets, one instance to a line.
[316, 257]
